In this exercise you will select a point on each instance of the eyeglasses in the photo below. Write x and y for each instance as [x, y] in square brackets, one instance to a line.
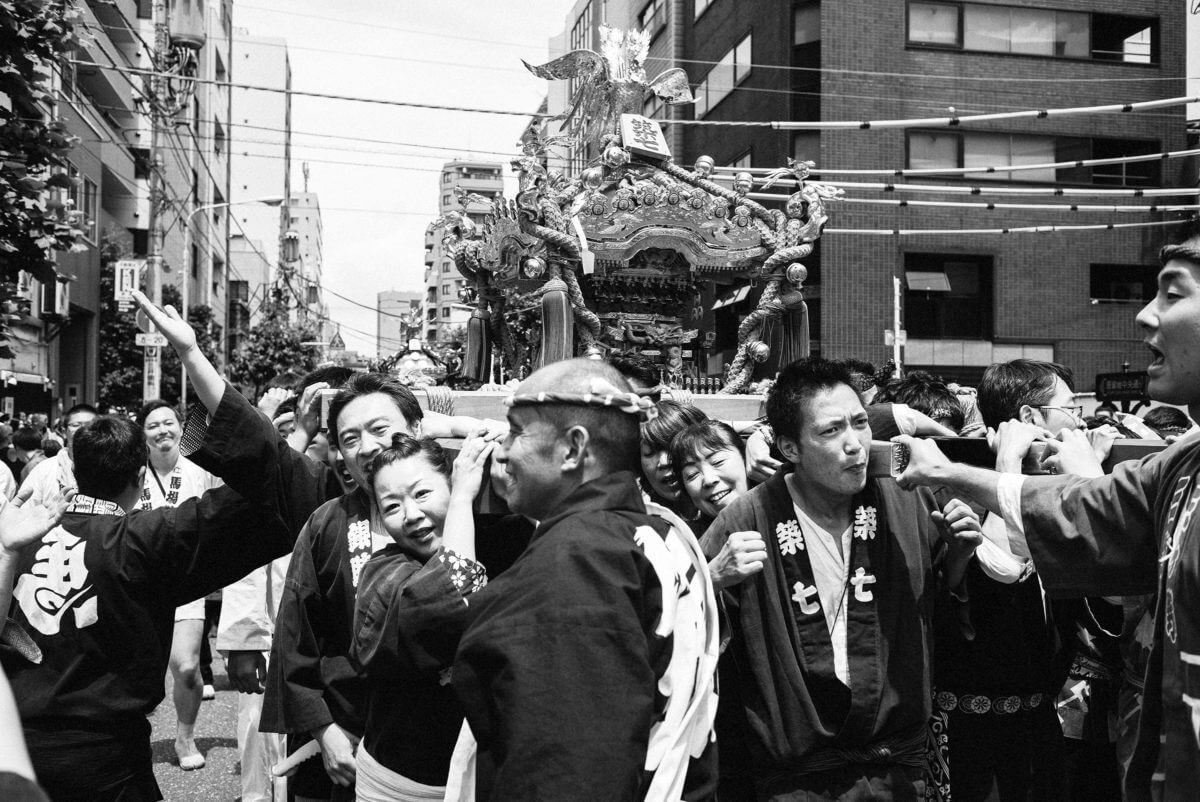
[1076, 412]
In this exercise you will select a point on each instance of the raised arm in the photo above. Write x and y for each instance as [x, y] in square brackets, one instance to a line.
[458, 533]
[207, 383]
[19, 527]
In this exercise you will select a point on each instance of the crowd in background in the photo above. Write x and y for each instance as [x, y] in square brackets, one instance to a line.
[427, 588]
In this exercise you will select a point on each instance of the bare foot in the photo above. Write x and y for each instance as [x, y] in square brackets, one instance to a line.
[189, 756]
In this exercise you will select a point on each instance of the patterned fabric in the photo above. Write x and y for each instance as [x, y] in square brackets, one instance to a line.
[937, 755]
[94, 506]
[605, 396]
[466, 574]
[1001, 705]
[186, 480]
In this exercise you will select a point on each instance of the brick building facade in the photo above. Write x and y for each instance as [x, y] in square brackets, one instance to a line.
[968, 299]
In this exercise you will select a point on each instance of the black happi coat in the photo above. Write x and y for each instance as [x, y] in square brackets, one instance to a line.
[311, 681]
[781, 654]
[1133, 532]
[558, 670]
[98, 594]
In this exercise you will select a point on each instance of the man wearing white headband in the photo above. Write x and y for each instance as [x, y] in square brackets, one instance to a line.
[587, 669]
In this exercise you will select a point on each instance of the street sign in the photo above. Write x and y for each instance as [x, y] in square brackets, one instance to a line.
[126, 280]
[890, 339]
[151, 376]
[152, 338]
[1130, 386]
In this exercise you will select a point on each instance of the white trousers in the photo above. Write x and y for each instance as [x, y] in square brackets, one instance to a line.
[259, 751]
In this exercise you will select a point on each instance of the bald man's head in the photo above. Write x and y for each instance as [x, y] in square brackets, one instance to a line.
[613, 434]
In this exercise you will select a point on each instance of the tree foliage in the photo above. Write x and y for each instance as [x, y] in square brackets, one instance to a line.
[121, 359]
[272, 350]
[35, 219]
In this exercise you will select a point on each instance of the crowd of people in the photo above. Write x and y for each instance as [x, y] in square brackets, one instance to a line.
[612, 595]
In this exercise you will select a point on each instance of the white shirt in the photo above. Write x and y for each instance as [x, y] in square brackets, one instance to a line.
[53, 475]
[831, 574]
[186, 480]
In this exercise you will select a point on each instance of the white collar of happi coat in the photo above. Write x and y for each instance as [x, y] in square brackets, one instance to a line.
[88, 505]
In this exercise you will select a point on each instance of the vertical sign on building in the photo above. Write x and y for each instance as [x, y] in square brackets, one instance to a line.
[150, 373]
[127, 272]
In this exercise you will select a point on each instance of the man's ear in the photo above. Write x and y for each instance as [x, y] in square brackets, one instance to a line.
[788, 447]
[141, 479]
[1027, 414]
[574, 442]
[415, 430]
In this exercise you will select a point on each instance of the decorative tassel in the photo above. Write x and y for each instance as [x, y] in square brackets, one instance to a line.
[558, 323]
[478, 360]
[794, 336]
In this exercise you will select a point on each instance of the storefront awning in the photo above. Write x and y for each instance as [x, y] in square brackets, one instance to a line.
[14, 376]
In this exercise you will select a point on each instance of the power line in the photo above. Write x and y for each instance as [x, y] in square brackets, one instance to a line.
[762, 65]
[320, 95]
[726, 172]
[1048, 207]
[1042, 229]
[982, 189]
[780, 125]
[352, 53]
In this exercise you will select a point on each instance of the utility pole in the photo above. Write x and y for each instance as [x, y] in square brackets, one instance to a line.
[151, 359]
[173, 66]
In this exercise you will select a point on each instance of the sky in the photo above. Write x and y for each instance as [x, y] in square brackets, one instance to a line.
[377, 197]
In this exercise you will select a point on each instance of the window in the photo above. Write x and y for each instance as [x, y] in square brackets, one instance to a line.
[218, 137]
[806, 24]
[741, 162]
[446, 289]
[1116, 284]
[446, 199]
[653, 107]
[653, 17]
[935, 149]
[948, 295]
[195, 262]
[806, 146]
[726, 74]
[445, 311]
[700, 7]
[989, 150]
[84, 199]
[1033, 31]
[581, 39]
[933, 24]
[67, 74]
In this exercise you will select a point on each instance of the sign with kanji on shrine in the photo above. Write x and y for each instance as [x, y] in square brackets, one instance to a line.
[643, 137]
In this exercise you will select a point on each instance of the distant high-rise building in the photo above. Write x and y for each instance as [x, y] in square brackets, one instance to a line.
[398, 314]
[261, 134]
[443, 311]
[304, 221]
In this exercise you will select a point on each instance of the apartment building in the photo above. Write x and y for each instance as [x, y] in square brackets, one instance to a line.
[443, 311]
[967, 298]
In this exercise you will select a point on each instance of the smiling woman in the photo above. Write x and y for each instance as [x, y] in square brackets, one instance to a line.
[709, 459]
[409, 612]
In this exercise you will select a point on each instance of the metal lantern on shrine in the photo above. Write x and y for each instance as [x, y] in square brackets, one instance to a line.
[185, 21]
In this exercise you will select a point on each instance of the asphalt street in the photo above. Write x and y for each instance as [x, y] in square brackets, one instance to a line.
[216, 735]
